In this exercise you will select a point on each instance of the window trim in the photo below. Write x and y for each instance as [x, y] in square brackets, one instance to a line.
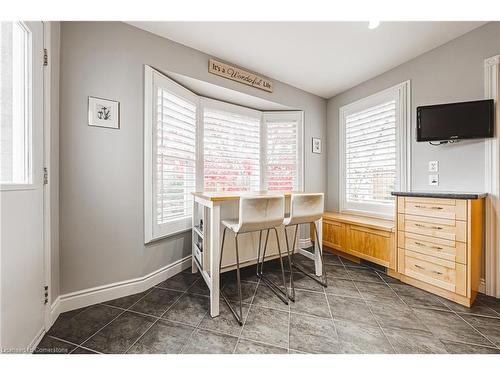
[402, 93]
[151, 232]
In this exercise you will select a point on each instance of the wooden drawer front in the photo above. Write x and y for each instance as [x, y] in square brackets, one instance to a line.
[452, 251]
[333, 234]
[439, 228]
[438, 208]
[438, 272]
[370, 244]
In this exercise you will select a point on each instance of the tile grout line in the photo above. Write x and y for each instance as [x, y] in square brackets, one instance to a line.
[116, 317]
[436, 309]
[246, 317]
[331, 316]
[475, 329]
[74, 344]
[374, 316]
[199, 323]
[449, 310]
[156, 321]
[194, 330]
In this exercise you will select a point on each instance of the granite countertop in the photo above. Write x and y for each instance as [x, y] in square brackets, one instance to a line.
[439, 194]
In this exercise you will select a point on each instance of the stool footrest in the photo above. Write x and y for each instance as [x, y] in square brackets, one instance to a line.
[315, 278]
[236, 315]
[282, 295]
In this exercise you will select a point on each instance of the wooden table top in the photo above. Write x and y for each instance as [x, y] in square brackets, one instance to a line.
[235, 195]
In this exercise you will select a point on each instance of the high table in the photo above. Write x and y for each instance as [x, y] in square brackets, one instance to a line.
[208, 210]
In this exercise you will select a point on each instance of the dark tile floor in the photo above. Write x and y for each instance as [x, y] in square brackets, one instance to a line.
[361, 311]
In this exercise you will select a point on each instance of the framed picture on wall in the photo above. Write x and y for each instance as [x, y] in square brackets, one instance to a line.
[316, 145]
[104, 113]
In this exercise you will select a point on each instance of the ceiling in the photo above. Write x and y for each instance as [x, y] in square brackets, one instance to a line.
[323, 58]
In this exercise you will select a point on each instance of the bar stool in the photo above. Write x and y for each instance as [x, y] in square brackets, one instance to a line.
[256, 214]
[305, 209]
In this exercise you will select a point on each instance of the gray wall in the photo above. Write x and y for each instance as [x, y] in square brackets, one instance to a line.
[452, 72]
[101, 170]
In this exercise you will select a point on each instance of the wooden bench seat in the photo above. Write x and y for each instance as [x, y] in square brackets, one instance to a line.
[361, 237]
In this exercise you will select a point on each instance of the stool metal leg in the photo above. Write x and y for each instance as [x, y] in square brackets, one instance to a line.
[258, 254]
[239, 317]
[323, 280]
[281, 293]
[292, 297]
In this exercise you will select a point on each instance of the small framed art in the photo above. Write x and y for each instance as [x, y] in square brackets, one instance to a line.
[316, 145]
[104, 113]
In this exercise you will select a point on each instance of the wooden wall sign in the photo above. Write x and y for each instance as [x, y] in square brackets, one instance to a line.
[239, 75]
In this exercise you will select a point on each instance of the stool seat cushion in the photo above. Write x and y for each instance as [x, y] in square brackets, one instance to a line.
[231, 224]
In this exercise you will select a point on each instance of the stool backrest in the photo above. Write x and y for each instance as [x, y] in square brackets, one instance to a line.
[306, 208]
[258, 213]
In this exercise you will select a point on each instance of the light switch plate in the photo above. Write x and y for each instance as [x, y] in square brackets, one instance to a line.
[434, 179]
[434, 166]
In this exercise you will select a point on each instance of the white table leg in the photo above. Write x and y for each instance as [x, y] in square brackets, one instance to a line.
[317, 244]
[214, 258]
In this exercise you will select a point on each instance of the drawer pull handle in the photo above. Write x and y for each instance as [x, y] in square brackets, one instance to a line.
[419, 267]
[425, 226]
[431, 207]
[432, 247]
[437, 273]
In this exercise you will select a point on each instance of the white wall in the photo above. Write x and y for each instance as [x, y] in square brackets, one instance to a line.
[450, 73]
[101, 170]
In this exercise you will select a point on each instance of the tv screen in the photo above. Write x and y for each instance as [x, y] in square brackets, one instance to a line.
[444, 122]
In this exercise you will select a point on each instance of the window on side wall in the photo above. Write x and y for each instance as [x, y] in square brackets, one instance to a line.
[373, 148]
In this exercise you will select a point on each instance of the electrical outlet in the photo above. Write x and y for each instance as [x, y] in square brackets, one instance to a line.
[434, 166]
[434, 179]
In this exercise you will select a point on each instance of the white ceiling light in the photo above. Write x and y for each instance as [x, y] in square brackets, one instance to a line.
[373, 24]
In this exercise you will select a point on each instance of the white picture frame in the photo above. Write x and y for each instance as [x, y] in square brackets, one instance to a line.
[104, 113]
[316, 145]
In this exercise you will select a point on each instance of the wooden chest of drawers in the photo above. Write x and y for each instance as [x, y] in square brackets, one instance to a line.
[440, 244]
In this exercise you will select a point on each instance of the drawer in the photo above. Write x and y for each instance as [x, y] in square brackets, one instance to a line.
[440, 228]
[452, 251]
[434, 271]
[438, 208]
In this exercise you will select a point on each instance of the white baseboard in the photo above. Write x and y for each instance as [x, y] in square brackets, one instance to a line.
[305, 243]
[55, 310]
[34, 343]
[91, 296]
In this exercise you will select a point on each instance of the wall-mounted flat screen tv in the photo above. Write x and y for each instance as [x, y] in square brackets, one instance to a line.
[454, 121]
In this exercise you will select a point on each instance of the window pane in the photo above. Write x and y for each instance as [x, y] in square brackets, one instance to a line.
[370, 154]
[14, 104]
[231, 151]
[175, 156]
[282, 155]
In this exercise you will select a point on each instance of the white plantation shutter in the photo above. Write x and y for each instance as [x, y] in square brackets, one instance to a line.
[231, 143]
[283, 151]
[370, 154]
[373, 137]
[173, 157]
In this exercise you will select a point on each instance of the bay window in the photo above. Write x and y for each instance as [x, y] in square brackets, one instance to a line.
[194, 143]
